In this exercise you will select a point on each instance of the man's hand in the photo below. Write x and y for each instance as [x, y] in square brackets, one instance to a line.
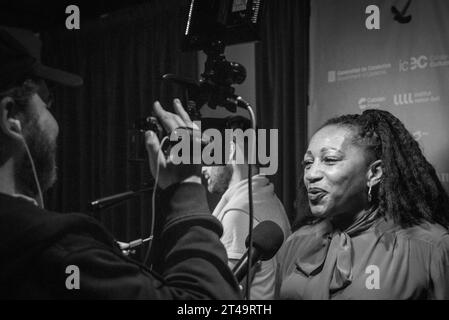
[168, 172]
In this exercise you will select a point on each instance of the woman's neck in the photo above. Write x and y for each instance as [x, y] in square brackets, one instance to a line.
[344, 221]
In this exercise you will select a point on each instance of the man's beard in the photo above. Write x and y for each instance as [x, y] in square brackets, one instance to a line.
[220, 177]
[43, 152]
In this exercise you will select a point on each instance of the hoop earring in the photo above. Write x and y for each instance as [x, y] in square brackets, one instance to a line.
[370, 198]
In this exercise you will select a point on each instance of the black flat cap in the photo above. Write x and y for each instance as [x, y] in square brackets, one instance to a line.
[20, 58]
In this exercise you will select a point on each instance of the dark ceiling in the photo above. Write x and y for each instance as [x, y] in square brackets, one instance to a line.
[39, 15]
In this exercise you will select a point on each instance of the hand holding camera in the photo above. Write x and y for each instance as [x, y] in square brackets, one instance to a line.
[168, 172]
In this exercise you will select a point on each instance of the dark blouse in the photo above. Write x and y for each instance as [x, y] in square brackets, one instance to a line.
[372, 259]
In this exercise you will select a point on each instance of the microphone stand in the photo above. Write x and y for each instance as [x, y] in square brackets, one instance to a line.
[216, 89]
[243, 284]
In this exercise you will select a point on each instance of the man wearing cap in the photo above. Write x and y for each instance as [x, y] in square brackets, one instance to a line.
[40, 249]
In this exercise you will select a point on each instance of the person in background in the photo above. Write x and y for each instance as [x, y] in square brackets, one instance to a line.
[377, 216]
[233, 209]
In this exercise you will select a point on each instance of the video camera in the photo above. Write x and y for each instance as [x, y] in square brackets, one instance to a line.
[211, 26]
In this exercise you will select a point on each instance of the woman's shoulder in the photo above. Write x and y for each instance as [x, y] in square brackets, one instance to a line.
[426, 232]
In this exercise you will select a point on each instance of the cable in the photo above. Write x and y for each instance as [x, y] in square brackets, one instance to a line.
[36, 179]
[133, 244]
[153, 202]
[252, 149]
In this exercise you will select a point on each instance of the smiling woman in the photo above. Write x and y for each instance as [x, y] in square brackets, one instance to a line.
[379, 217]
[335, 173]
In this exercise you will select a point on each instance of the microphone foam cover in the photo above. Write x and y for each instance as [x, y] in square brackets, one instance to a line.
[267, 239]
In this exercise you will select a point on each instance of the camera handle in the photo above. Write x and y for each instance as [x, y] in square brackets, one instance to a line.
[215, 87]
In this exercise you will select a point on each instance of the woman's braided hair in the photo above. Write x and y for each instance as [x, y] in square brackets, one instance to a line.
[410, 190]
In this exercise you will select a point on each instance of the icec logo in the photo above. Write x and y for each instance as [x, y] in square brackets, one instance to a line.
[414, 63]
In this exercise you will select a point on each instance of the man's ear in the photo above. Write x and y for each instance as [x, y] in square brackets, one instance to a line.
[375, 173]
[8, 125]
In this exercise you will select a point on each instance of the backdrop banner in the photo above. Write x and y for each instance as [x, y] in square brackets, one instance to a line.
[384, 54]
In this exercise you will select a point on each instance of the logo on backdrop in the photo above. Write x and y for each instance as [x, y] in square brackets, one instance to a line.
[331, 76]
[414, 63]
[418, 135]
[371, 102]
[403, 99]
[444, 177]
[439, 60]
[401, 15]
[423, 62]
[358, 72]
[409, 98]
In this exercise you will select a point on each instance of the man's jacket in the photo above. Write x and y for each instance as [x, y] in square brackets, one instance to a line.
[38, 248]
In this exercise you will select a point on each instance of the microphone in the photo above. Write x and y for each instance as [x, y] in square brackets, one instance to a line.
[267, 239]
[116, 199]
